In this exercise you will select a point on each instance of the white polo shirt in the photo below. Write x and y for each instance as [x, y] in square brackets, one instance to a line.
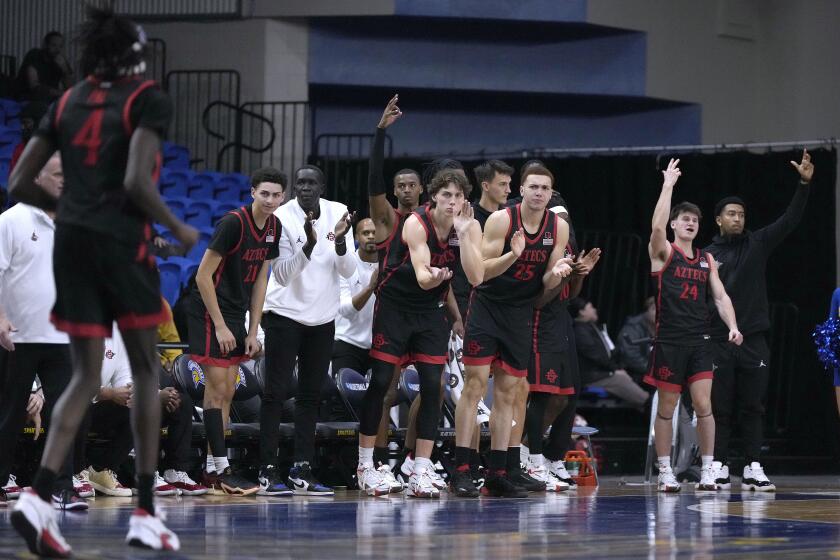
[306, 289]
[354, 326]
[27, 284]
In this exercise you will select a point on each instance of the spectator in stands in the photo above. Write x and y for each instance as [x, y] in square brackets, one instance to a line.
[45, 73]
[167, 332]
[301, 305]
[29, 343]
[355, 311]
[30, 116]
[635, 340]
[599, 359]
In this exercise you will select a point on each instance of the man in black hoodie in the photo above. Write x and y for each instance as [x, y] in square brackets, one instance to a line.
[742, 372]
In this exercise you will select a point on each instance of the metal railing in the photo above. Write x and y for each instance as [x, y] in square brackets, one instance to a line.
[156, 60]
[289, 130]
[192, 91]
[237, 145]
[343, 158]
[179, 9]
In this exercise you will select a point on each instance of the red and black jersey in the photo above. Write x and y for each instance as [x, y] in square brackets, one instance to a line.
[92, 124]
[460, 285]
[553, 323]
[521, 283]
[397, 280]
[682, 314]
[244, 248]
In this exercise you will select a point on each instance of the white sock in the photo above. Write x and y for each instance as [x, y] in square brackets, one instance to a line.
[707, 460]
[422, 463]
[221, 464]
[664, 462]
[365, 455]
[211, 464]
[536, 460]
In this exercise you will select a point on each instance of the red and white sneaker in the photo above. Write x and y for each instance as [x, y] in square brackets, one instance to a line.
[162, 488]
[12, 489]
[82, 485]
[183, 482]
[148, 531]
[35, 520]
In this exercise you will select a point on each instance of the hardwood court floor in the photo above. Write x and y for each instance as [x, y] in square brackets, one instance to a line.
[802, 520]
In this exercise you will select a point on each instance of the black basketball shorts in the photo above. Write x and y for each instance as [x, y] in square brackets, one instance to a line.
[674, 366]
[498, 334]
[400, 337]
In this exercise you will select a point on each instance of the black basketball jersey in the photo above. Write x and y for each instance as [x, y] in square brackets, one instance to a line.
[92, 124]
[397, 280]
[521, 283]
[460, 285]
[552, 322]
[244, 248]
[682, 315]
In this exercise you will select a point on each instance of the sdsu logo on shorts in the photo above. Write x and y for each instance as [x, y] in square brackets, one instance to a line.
[379, 341]
[196, 372]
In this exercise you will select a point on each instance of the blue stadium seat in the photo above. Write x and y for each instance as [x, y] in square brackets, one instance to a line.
[187, 267]
[198, 249]
[178, 205]
[223, 207]
[9, 136]
[199, 213]
[5, 164]
[6, 150]
[170, 280]
[10, 112]
[175, 182]
[176, 156]
[231, 185]
[203, 185]
[596, 392]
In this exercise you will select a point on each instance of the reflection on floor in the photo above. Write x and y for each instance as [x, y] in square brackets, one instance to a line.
[801, 520]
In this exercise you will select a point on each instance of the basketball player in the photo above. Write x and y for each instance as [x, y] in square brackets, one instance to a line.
[523, 249]
[108, 129]
[553, 374]
[410, 321]
[232, 279]
[681, 355]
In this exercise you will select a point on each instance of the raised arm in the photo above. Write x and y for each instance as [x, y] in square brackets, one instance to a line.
[428, 276]
[659, 249]
[493, 243]
[776, 232]
[722, 302]
[383, 214]
[469, 237]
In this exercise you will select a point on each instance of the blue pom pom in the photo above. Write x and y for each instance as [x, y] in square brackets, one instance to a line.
[827, 340]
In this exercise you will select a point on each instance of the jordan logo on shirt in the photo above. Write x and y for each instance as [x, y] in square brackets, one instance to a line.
[762, 364]
[34, 236]
[299, 240]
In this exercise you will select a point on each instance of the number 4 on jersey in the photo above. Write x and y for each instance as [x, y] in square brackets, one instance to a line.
[89, 137]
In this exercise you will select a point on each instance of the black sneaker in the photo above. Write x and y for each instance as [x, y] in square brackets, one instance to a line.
[499, 486]
[461, 484]
[301, 481]
[271, 483]
[69, 500]
[477, 474]
[520, 478]
[235, 484]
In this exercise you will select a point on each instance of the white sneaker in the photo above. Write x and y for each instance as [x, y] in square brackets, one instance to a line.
[406, 470]
[541, 473]
[420, 485]
[371, 480]
[161, 487]
[558, 470]
[707, 479]
[11, 488]
[755, 479]
[35, 520]
[82, 485]
[148, 531]
[388, 475]
[437, 479]
[667, 481]
[722, 475]
[183, 482]
[105, 482]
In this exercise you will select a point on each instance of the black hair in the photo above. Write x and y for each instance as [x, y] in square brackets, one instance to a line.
[49, 36]
[728, 200]
[685, 208]
[487, 170]
[407, 171]
[269, 175]
[315, 168]
[446, 176]
[432, 168]
[110, 43]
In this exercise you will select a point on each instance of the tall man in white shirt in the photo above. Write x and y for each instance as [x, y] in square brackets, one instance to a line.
[357, 300]
[29, 343]
[301, 305]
